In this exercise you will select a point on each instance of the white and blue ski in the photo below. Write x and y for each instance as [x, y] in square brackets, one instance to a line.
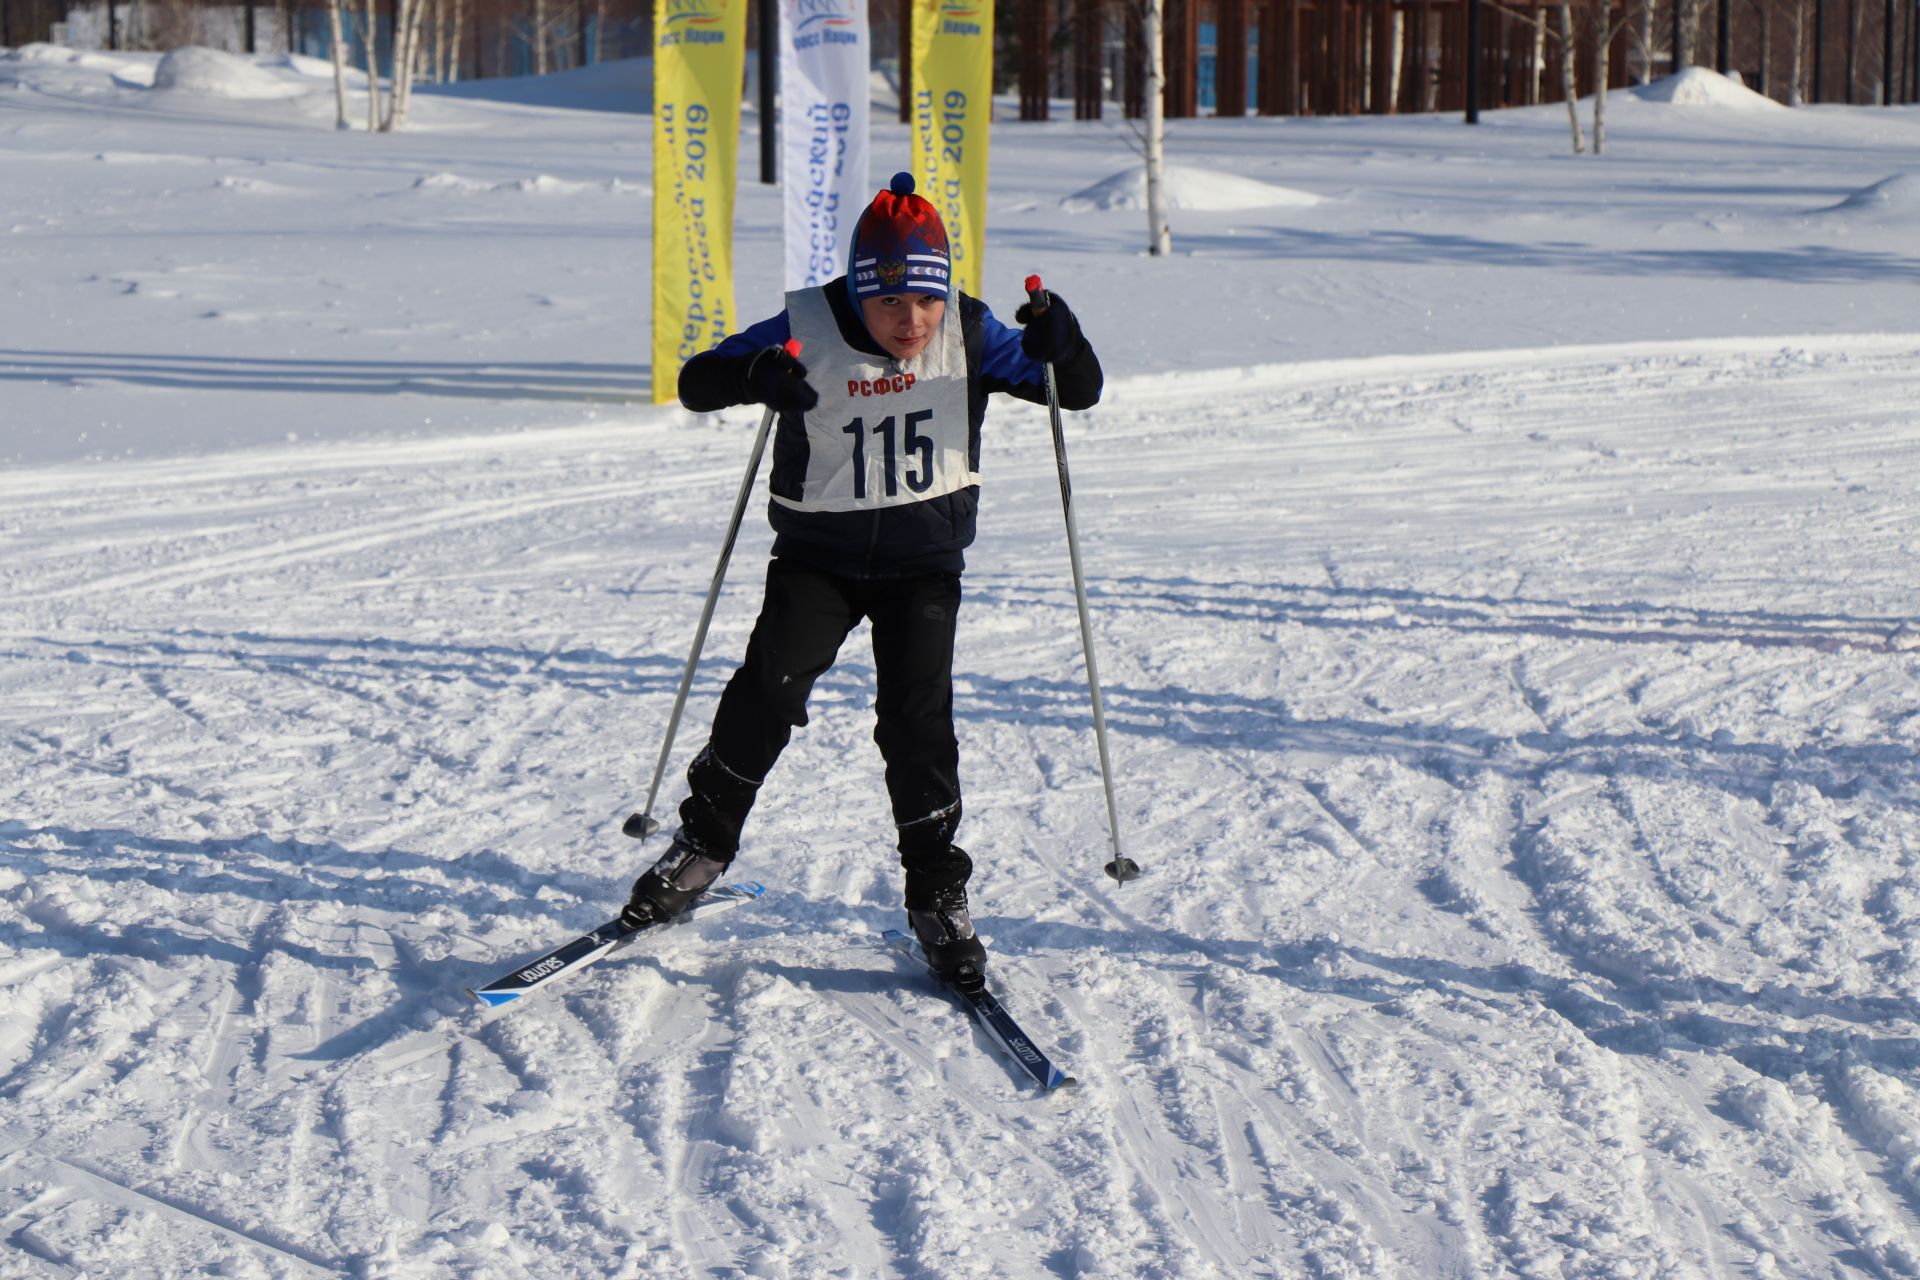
[992, 1017]
[608, 938]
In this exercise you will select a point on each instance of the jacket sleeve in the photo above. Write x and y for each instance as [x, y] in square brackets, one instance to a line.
[1003, 366]
[717, 379]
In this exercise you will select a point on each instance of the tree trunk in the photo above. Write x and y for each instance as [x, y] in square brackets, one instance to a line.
[1796, 93]
[1567, 50]
[371, 44]
[1854, 12]
[1643, 33]
[406, 65]
[453, 49]
[1159, 236]
[396, 94]
[539, 37]
[1398, 56]
[1603, 36]
[1538, 92]
[336, 47]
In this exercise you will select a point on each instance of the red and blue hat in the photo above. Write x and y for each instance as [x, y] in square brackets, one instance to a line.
[899, 245]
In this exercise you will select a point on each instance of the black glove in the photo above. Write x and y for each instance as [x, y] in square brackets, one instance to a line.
[1050, 337]
[779, 381]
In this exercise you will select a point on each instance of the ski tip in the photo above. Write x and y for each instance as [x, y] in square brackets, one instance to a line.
[1060, 1080]
[493, 999]
[892, 935]
[752, 888]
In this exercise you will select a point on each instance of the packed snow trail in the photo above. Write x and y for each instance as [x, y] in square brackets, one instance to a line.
[1518, 745]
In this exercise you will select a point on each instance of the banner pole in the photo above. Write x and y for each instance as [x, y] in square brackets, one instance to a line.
[769, 57]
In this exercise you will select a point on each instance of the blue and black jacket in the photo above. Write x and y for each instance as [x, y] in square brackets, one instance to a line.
[922, 537]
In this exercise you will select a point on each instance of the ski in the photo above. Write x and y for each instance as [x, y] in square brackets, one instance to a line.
[992, 1017]
[597, 945]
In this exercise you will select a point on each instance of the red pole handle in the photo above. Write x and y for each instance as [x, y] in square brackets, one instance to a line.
[792, 347]
[1036, 295]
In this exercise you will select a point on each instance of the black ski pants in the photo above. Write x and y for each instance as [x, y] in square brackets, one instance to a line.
[806, 615]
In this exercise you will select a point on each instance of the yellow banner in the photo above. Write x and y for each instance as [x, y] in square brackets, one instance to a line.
[699, 56]
[952, 108]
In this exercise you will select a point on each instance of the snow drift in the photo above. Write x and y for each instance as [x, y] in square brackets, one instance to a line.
[1894, 199]
[220, 75]
[1187, 187]
[1699, 87]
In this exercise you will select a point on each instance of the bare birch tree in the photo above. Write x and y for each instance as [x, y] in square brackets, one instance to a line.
[406, 36]
[1539, 59]
[1159, 234]
[1642, 29]
[453, 44]
[1605, 28]
[336, 47]
[1567, 85]
[370, 44]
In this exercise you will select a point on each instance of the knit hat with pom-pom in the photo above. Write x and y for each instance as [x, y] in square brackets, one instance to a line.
[899, 246]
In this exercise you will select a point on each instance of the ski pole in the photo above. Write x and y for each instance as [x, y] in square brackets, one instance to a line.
[643, 824]
[1122, 868]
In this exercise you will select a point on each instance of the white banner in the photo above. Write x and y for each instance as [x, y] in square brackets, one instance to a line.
[825, 53]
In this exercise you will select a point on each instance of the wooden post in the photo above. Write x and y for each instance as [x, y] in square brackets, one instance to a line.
[1182, 43]
[904, 9]
[1471, 56]
[1888, 44]
[1230, 58]
[1266, 91]
[1290, 57]
[1089, 37]
[1035, 26]
[1380, 92]
[1134, 90]
[769, 62]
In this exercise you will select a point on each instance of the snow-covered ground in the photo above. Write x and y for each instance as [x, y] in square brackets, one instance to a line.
[1504, 576]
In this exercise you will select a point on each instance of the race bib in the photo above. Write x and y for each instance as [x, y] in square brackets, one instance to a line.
[886, 432]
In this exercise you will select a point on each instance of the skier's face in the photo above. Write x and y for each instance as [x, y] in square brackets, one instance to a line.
[903, 323]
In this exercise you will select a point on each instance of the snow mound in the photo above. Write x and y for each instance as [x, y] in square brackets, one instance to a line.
[134, 75]
[51, 54]
[1895, 199]
[1205, 190]
[450, 182]
[540, 184]
[252, 186]
[1700, 87]
[220, 75]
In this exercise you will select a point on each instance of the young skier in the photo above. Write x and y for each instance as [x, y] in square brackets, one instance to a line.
[874, 487]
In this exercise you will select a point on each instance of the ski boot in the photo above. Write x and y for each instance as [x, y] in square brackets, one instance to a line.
[946, 932]
[664, 889]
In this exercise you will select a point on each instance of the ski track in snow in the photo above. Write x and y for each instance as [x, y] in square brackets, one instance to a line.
[1521, 900]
